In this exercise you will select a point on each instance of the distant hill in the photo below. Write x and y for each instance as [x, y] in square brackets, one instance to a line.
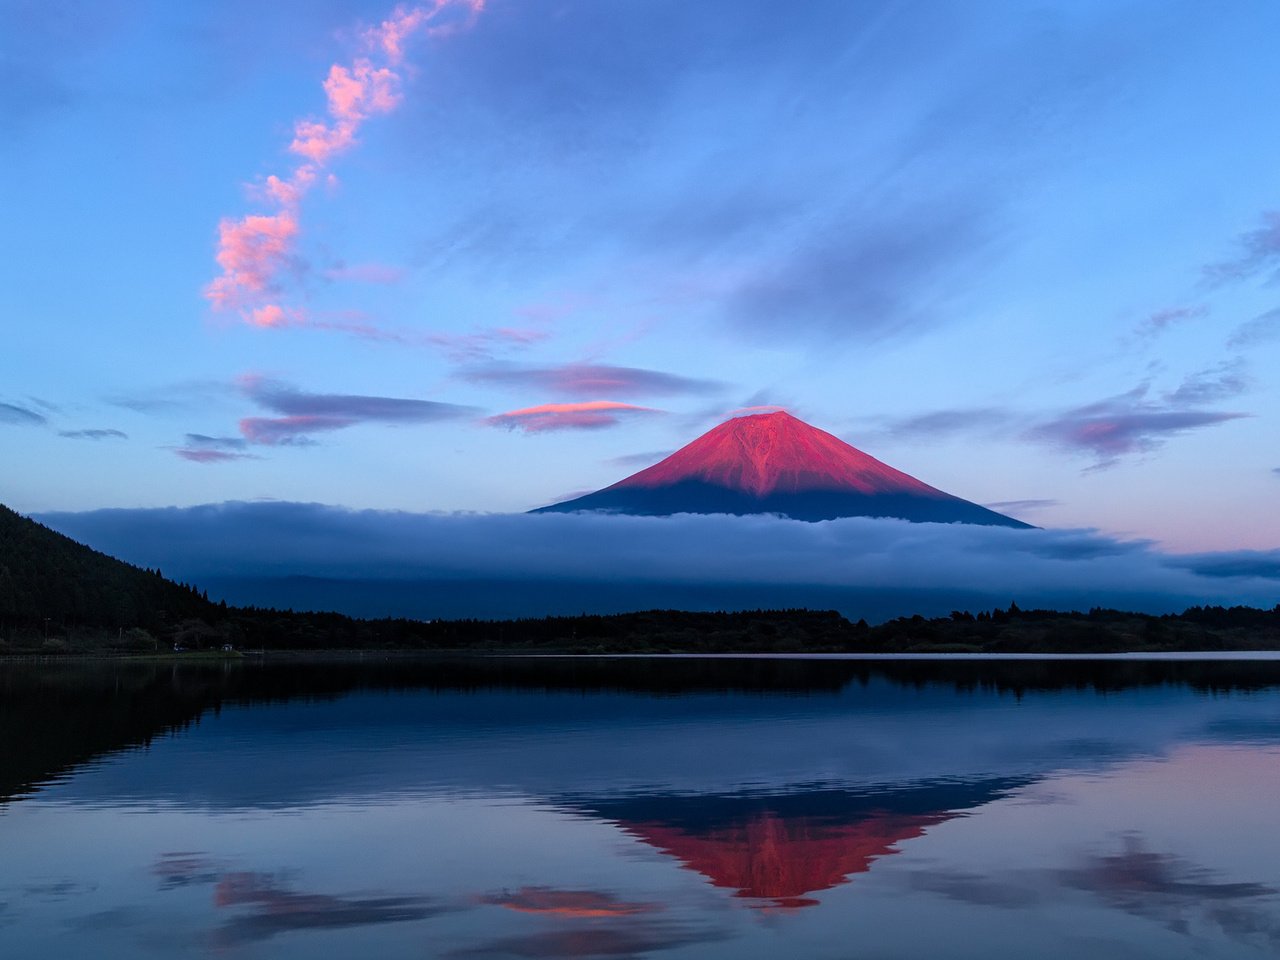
[775, 463]
[45, 576]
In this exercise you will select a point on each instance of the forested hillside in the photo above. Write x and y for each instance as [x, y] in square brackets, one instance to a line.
[49, 583]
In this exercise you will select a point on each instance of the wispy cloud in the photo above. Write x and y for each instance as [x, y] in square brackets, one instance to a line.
[176, 397]
[631, 460]
[197, 455]
[1258, 252]
[256, 251]
[1157, 323]
[865, 276]
[379, 273]
[484, 343]
[942, 423]
[589, 380]
[590, 415]
[1221, 382]
[1260, 329]
[1125, 424]
[202, 448]
[283, 398]
[1022, 504]
[289, 431]
[21, 416]
[302, 413]
[94, 434]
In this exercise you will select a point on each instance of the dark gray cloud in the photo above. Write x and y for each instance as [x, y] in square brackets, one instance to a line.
[837, 563]
[1260, 329]
[1130, 423]
[21, 416]
[1258, 251]
[94, 434]
[589, 381]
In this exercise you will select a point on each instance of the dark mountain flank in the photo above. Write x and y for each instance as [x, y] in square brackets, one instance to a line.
[50, 582]
[775, 463]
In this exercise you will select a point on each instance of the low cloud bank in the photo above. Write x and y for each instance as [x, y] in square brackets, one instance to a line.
[392, 563]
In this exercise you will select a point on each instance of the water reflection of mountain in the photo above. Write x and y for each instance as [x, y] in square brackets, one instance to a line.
[56, 717]
[779, 849]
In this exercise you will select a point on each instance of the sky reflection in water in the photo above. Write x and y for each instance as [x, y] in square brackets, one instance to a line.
[695, 810]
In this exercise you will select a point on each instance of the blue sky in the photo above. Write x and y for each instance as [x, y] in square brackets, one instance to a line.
[1024, 251]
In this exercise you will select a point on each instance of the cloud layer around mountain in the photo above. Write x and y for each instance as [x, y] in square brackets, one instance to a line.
[528, 565]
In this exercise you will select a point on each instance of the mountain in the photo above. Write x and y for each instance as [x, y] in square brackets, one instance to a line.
[775, 463]
[48, 580]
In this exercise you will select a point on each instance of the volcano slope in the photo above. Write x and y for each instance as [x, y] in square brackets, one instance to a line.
[775, 463]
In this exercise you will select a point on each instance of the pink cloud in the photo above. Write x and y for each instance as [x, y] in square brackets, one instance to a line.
[251, 252]
[318, 142]
[592, 414]
[356, 92]
[270, 315]
[254, 250]
[391, 34]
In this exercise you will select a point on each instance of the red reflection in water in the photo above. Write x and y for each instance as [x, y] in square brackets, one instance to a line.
[781, 860]
[568, 903]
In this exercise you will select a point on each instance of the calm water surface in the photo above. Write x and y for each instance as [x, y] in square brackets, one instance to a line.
[624, 809]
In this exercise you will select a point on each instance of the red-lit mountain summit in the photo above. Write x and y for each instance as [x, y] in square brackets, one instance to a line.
[775, 463]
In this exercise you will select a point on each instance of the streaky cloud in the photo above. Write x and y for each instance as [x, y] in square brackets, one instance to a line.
[1261, 329]
[94, 434]
[201, 455]
[588, 415]
[1130, 423]
[1222, 382]
[590, 380]
[1258, 252]
[285, 399]
[21, 416]
[1033, 504]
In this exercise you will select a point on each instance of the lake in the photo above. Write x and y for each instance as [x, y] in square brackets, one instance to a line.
[625, 808]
